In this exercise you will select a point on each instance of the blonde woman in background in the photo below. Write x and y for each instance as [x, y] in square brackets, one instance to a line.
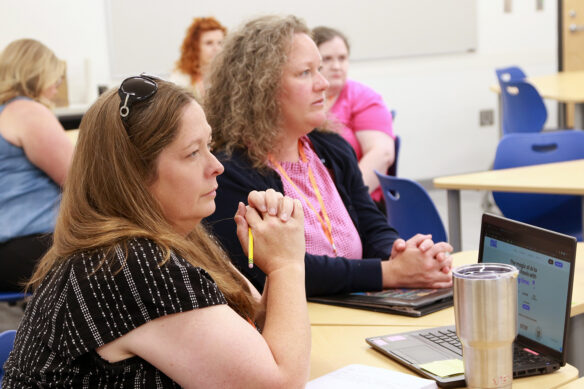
[201, 44]
[35, 155]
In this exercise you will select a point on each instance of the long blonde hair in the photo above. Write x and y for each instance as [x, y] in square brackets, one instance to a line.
[106, 200]
[241, 104]
[27, 68]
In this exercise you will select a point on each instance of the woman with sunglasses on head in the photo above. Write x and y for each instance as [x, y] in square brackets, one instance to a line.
[268, 132]
[35, 155]
[201, 44]
[134, 291]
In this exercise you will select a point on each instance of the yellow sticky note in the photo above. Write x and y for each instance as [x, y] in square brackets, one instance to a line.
[445, 368]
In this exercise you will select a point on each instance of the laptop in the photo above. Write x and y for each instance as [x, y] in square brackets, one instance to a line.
[401, 301]
[546, 262]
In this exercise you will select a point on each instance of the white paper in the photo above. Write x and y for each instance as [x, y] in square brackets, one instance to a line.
[362, 376]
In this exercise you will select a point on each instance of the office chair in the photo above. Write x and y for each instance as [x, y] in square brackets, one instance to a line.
[6, 345]
[562, 213]
[12, 297]
[510, 73]
[409, 208]
[523, 107]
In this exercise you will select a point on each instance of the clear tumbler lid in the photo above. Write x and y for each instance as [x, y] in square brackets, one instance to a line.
[485, 271]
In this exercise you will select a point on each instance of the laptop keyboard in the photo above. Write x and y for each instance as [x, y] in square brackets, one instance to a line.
[447, 338]
[444, 338]
[522, 357]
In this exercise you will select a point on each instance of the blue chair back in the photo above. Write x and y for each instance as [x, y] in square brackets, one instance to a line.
[556, 212]
[11, 297]
[523, 107]
[409, 208]
[6, 345]
[510, 73]
[392, 170]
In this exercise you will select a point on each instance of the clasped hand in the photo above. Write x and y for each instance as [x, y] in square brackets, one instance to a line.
[418, 262]
[277, 225]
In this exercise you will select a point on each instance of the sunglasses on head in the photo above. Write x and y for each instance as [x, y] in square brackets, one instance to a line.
[134, 90]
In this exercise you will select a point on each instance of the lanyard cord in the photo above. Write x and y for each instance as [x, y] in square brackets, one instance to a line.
[325, 222]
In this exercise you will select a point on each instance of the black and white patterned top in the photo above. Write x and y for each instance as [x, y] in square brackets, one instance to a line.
[79, 308]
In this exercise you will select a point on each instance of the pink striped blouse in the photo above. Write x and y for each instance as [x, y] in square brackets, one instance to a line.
[345, 235]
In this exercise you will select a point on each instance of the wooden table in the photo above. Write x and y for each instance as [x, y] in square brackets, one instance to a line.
[578, 384]
[338, 333]
[564, 87]
[552, 178]
[336, 346]
[329, 315]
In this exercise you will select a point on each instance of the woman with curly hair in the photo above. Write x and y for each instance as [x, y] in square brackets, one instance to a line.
[201, 44]
[35, 155]
[266, 106]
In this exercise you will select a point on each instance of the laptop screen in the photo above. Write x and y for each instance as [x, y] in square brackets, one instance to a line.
[544, 266]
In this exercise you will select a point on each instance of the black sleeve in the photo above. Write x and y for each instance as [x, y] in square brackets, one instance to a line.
[107, 302]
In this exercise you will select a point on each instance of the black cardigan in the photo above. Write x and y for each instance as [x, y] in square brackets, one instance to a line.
[324, 275]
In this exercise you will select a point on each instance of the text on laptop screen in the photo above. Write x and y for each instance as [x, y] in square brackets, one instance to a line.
[542, 283]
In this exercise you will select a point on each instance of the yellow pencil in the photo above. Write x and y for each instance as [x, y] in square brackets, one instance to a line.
[249, 248]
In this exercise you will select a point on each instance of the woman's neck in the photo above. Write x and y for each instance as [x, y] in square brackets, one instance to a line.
[331, 97]
[199, 88]
[203, 68]
[287, 149]
[333, 92]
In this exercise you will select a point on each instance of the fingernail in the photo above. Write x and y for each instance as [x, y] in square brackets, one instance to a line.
[284, 217]
[272, 211]
[263, 208]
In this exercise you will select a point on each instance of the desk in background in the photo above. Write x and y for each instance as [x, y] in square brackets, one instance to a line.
[551, 178]
[564, 87]
[70, 116]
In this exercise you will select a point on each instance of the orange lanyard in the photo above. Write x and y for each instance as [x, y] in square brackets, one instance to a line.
[324, 220]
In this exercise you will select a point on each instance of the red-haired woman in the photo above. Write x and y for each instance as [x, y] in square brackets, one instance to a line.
[202, 42]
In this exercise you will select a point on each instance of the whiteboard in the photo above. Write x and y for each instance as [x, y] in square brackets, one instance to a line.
[146, 35]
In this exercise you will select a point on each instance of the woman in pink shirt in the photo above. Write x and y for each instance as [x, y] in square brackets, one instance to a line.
[364, 120]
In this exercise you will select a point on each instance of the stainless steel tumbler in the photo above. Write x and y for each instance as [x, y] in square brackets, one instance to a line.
[485, 309]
